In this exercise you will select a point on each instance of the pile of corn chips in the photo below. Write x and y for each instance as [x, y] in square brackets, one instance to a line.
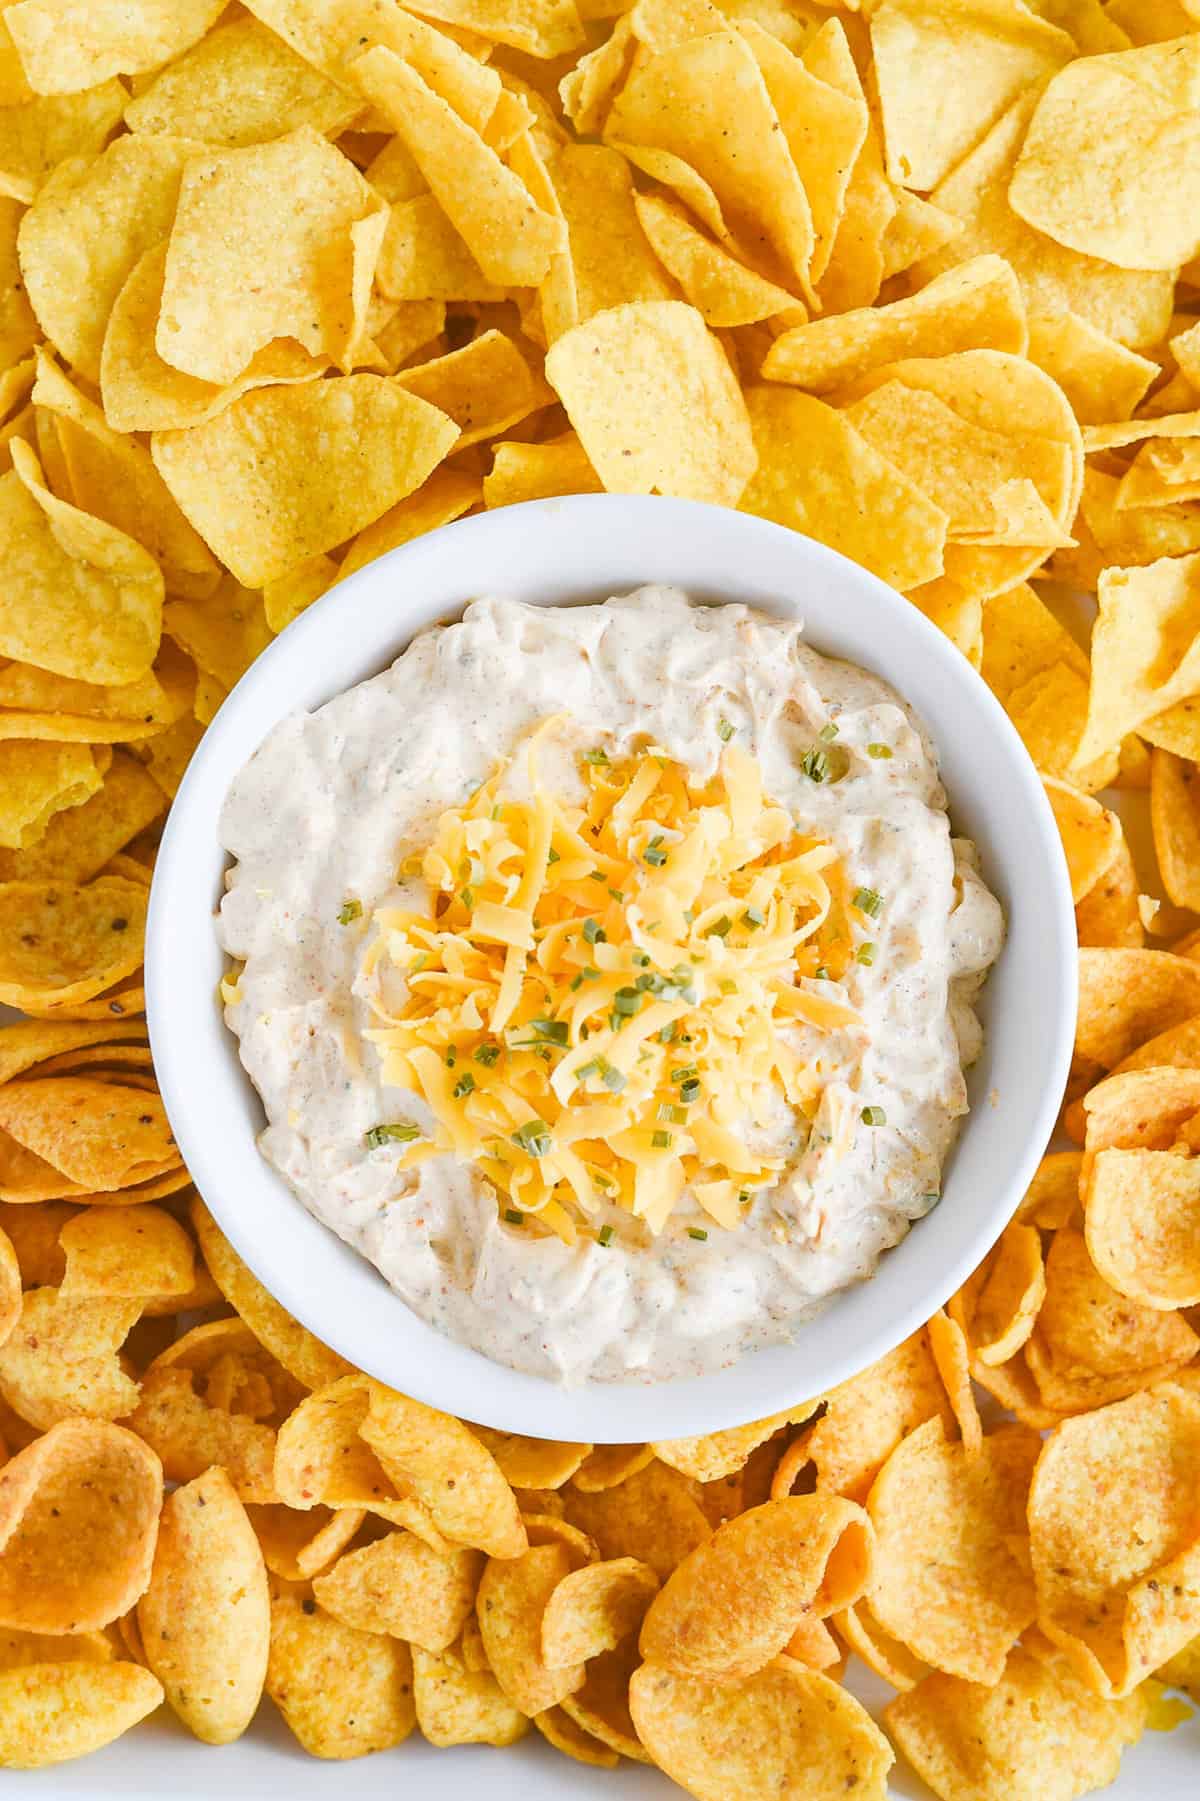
[288, 283]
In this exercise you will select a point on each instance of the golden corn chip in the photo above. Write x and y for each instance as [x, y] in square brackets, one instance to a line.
[1109, 915]
[484, 388]
[239, 273]
[19, 1649]
[654, 402]
[1092, 1344]
[952, 1355]
[720, 287]
[786, 1731]
[222, 633]
[28, 1042]
[1176, 824]
[705, 102]
[724, 1453]
[1178, 1046]
[321, 1459]
[235, 1373]
[513, 1595]
[78, 1522]
[817, 474]
[538, 471]
[413, 324]
[50, 1712]
[601, 1706]
[1124, 128]
[1183, 1670]
[67, 46]
[1163, 473]
[1091, 835]
[124, 711]
[532, 1462]
[866, 1418]
[457, 1706]
[1007, 1297]
[61, 1361]
[447, 495]
[252, 482]
[977, 59]
[593, 1609]
[89, 225]
[586, 91]
[1141, 1109]
[18, 327]
[141, 392]
[651, 1513]
[36, 782]
[863, 1634]
[856, 263]
[542, 28]
[114, 479]
[190, 1436]
[560, 1730]
[104, 621]
[1141, 660]
[1118, 1591]
[813, 1645]
[287, 597]
[976, 306]
[610, 260]
[1140, 1225]
[1135, 537]
[400, 1586]
[343, 1693]
[442, 1463]
[424, 258]
[610, 1465]
[1037, 1733]
[950, 1580]
[554, 1528]
[205, 1618]
[507, 235]
[124, 1253]
[1050, 712]
[1022, 639]
[295, 1546]
[78, 842]
[60, 131]
[734, 1603]
[917, 230]
[98, 1135]
[241, 84]
[1127, 996]
[10, 1287]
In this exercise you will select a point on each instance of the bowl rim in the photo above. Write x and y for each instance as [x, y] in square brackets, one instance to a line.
[720, 555]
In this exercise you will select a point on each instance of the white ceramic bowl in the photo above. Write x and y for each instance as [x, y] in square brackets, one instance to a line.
[580, 549]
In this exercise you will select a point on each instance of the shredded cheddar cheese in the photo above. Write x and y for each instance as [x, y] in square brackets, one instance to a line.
[601, 997]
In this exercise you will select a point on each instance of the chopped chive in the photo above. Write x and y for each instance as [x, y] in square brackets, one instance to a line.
[617, 896]
[879, 750]
[451, 1055]
[552, 1031]
[588, 1069]
[533, 1138]
[669, 1032]
[496, 810]
[828, 733]
[698, 1233]
[487, 1054]
[815, 765]
[467, 897]
[654, 854]
[393, 1134]
[597, 758]
[418, 964]
[597, 875]
[868, 900]
[753, 918]
[873, 1116]
[673, 1115]
[743, 1196]
[931, 1198]
[552, 855]
[727, 986]
[627, 1000]
[464, 1086]
[725, 731]
[594, 933]
[605, 1236]
[350, 910]
[821, 972]
[513, 1218]
[612, 1078]
[682, 1074]
[720, 927]
[865, 954]
[576, 982]
[689, 1090]
[661, 1141]
[641, 959]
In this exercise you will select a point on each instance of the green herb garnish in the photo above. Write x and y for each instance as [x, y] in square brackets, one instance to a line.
[594, 933]
[597, 758]
[868, 900]
[725, 731]
[378, 1136]
[350, 911]
[828, 733]
[698, 1233]
[626, 1001]
[815, 765]
[720, 927]
[513, 1218]
[865, 954]
[879, 751]
[487, 1054]
[661, 1140]
[533, 1138]
[654, 854]
[673, 1115]
[873, 1116]
[753, 918]
[605, 1236]
[464, 1086]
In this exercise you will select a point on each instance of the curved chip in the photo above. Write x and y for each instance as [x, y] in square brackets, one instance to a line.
[61, 1359]
[1118, 1586]
[457, 1706]
[1142, 1225]
[10, 1287]
[866, 1417]
[610, 1465]
[438, 1459]
[297, 1547]
[125, 1253]
[951, 1353]
[343, 1693]
[61, 943]
[532, 1462]
[786, 1731]
[51, 1712]
[566, 1735]
[724, 1453]
[950, 1581]
[78, 1524]
[399, 1585]
[863, 1634]
[1005, 1300]
[190, 1435]
[513, 1595]
[594, 1608]
[205, 1619]
[733, 1604]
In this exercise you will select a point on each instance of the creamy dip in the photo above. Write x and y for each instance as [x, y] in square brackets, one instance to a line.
[334, 802]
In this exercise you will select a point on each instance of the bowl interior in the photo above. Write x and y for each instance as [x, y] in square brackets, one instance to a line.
[575, 550]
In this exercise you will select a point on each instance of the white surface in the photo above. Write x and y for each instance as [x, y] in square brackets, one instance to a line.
[159, 1759]
[586, 548]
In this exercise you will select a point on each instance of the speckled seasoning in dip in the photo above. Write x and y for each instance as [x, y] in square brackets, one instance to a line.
[625, 1138]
